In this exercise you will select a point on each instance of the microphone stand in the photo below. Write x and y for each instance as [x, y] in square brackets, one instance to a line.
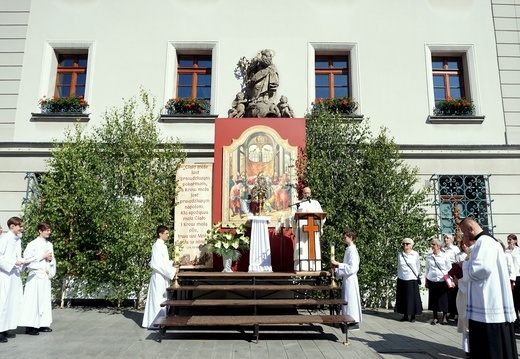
[297, 204]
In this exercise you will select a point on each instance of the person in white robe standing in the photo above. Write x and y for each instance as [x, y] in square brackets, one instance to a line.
[490, 307]
[163, 272]
[37, 298]
[302, 256]
[348, 272]
[11, 287]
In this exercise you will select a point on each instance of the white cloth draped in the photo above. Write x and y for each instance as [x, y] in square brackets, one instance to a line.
[259, 249]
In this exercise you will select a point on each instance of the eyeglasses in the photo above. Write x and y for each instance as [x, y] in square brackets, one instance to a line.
[407, 244]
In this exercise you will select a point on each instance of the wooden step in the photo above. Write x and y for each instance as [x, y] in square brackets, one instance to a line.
[250, 302]
[204, 274]
[251, 287]
[229, 320]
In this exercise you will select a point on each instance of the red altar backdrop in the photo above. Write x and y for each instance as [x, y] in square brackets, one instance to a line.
[290, 133]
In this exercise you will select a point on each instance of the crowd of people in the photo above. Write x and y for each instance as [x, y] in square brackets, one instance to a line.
[478, 283]
[475, 283]
[30, 306]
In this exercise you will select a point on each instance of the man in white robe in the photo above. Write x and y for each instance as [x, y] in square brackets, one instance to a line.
[350, 286]
[303, 260]
[37, 299]
[490, 308]
[163, 272]
[11, 288]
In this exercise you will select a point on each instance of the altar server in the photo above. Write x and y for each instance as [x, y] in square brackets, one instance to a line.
[348, 272]
[163, 272]
[11, 288]
[37, 298]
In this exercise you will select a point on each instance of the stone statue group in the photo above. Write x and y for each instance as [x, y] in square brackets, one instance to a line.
[259, 96]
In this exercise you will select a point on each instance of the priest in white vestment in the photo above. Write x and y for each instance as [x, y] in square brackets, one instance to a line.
[37, 298]
[350, 287]
[11, 288]
[302, 256]
[163, 272]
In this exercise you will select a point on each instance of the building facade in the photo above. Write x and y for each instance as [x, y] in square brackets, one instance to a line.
[397, 59]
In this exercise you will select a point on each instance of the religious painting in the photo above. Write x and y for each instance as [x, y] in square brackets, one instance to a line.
[259, 160]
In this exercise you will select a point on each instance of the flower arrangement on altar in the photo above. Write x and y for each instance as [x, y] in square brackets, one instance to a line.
[342, 105]
[178, 106]
[71, 104]
[227, 243]
[454, 107]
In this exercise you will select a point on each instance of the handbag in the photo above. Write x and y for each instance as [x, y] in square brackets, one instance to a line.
[447, 278]
[449, 281]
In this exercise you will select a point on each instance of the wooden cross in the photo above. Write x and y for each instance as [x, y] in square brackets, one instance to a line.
[310, 228]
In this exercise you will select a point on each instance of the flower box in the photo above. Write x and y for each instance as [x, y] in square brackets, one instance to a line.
[187, 106]
[454, 107]
[342, 105]
[63, 105]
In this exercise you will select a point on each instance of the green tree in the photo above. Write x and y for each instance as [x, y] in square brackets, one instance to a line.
[363, 185]
[105, 193]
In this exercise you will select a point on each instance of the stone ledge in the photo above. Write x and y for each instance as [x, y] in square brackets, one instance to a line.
[204, 118]
[456, 120]
[60, 117]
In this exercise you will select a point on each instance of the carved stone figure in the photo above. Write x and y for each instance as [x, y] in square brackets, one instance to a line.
[262, 77]
[238, 106]
[284, 108]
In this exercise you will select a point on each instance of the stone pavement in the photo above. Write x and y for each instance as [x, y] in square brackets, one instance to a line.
[111, 333]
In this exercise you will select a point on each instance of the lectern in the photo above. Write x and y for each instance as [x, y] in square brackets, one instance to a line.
[307, 248]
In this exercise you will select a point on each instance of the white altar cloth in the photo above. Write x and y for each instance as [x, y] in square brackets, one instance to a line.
[260, 249]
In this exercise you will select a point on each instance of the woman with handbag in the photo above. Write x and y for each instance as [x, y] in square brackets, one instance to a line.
[408, 299]
[437, 266]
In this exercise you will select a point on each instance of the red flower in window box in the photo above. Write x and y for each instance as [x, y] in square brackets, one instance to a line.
[178, 106]
[454, 107]
[342, 105]
[63, 105]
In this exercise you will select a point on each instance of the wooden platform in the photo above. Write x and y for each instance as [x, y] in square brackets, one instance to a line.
[191, 291]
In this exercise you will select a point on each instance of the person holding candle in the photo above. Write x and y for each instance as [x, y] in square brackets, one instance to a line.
[408, 299]
[348, 272]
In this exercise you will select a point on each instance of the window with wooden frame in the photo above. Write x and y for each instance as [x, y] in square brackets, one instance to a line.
[71, 75]
[194, 76]
[332, 76]
[448, 77]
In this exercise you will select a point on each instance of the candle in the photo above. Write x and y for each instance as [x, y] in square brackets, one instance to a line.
[332, 252]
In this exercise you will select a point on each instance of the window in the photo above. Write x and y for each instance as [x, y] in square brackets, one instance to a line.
[459, 196]
[332, 76]
[71, 76]
[194, 76]
[448, 77]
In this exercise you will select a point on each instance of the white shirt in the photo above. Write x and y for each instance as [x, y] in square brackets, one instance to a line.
[451, 252]
[437, 266]
[404, 272]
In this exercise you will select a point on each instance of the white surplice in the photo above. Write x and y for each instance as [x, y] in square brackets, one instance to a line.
[11, 288]
[37, 297]
[301, 256]
[162, 273]
[350, 286]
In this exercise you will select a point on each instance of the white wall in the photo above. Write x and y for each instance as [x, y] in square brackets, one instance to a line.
[130, 45]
